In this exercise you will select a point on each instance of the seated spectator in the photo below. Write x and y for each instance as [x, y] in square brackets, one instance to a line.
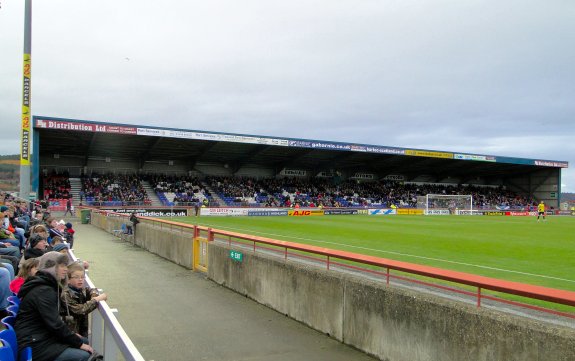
[15, 235]
[61, 247]
[7, 249]
[13, 262]
[6, 263]
[40, 229]
[5, 280]
[8, 237]
[28, 269]
[54, 229]
[56, 186]
[13, 225]
[34, 221]
[78, 301]
[38, 246]
[38, 323]
[126, 189]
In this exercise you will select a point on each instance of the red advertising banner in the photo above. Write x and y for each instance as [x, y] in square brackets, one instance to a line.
[84, 127]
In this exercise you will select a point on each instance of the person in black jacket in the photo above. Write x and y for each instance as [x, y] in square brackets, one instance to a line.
[134, 219]
[38, 245]
[38, 323]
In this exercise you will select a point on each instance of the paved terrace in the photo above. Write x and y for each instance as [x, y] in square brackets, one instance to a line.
[174, 314]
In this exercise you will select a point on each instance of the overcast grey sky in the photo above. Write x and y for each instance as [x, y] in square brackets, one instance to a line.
[488, 77]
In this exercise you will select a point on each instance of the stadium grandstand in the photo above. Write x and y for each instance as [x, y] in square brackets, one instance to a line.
[110, 164]
[122, 168]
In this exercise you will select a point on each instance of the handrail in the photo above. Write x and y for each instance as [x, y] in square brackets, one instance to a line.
[563, 297]
[107, 335]
[542, 293]
[519, 289]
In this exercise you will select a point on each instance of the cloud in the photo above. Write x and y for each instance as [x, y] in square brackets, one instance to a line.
[473, 76]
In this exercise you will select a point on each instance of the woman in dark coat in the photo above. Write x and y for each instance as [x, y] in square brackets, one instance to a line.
[38, 323]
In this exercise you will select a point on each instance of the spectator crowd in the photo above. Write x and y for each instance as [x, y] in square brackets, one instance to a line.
[118, 190]
[113, 189]
[179, 190]
[56, 186]
[289, 191]
[43, 300]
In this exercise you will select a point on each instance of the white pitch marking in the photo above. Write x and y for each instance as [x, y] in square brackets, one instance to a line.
[402, 254]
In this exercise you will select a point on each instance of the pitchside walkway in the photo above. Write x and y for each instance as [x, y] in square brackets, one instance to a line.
[174, 314]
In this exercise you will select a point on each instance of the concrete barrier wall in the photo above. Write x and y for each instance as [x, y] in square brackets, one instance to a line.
[393, 324]
[174, 244]
[314, 298]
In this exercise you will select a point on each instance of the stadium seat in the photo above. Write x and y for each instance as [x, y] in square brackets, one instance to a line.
[13, 309]
[14, 300]
[9, 320]
[119, 232]
[9, 336]
[26, 354]
[6, 352]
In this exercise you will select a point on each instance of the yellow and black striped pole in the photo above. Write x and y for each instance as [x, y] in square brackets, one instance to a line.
[26, 104]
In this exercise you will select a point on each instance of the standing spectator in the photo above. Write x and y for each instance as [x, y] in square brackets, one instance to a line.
[134, 219]
[38, 323]
[69, 208]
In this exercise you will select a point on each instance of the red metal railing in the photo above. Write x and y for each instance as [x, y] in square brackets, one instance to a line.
[557, 296]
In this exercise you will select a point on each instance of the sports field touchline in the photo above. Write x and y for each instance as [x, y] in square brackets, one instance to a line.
[397, 253]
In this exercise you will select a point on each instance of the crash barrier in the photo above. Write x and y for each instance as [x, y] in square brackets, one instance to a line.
[106, 334]
[391, 323]
[370, 315]
[172, 240]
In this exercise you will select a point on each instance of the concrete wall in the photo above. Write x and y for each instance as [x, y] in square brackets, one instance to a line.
[174, 244]
[390, 323]
[393, 324]
[314, 298]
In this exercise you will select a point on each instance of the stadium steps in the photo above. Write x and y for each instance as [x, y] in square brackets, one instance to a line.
[152, 194]
[215, 197]
[75, 188]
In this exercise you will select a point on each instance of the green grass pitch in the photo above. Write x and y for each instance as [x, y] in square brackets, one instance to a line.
[512, 248]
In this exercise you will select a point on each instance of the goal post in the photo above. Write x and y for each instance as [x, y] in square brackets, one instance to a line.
[442, 204]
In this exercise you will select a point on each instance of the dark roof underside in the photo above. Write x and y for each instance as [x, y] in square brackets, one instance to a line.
[236, 155]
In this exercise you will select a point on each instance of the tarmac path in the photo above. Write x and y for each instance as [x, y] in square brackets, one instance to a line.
[174, 314]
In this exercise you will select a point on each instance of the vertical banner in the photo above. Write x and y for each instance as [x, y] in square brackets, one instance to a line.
[26, 87]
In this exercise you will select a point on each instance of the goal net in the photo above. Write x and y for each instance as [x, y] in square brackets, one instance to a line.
[448, 204]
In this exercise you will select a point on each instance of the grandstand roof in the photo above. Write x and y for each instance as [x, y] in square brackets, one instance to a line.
[123, 141]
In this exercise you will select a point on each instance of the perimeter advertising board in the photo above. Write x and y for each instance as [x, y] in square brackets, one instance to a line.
[267, 213]
[238, 212]
[409, 211]
[337, 212]
[437, 212]
[381, 211]
[224, 212]
[304, 212]
[151, 212]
